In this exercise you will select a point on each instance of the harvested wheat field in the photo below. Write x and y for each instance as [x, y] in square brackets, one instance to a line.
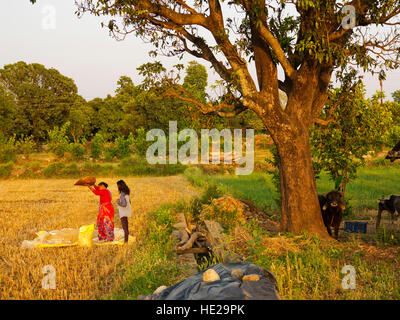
[28, 206]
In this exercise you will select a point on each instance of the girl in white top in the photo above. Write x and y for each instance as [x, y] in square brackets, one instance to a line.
[124, 206]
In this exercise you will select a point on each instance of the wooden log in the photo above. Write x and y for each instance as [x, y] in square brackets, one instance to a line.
[181, 224]
[191, 241]
[198, 244]
[184, 237]
[217, 242]
[215, 237]
[186, 258]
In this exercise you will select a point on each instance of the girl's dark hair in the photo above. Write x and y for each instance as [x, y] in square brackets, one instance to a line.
[103, 184]
[122, 187]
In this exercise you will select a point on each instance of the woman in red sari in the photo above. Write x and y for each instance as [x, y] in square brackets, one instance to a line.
[105, 224]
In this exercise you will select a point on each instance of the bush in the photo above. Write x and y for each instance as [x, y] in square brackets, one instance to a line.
[32, 169]
[135, 166]
[71, 170]
[123, 148]
[120, 149]
[8, 150]
[195, 176]
[26, 145]
[110, 153]
[77, 150]
[212, 192]
[96, 146]
[58, 140]
[5, 169]
[107, 169]
[140, 143]
[96, 169]
[171, 169]
[393, 136]
[54, 169]
[196, 205]
[163, 217]
[163, 221]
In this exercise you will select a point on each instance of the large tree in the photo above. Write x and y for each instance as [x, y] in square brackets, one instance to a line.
[196, 81]
[43, 97]
[396, 96]
[305, 38]
[8, 106]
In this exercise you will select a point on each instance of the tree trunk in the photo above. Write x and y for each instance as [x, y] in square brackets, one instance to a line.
[300, 205]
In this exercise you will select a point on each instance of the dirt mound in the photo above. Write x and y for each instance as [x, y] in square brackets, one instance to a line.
[239, 209]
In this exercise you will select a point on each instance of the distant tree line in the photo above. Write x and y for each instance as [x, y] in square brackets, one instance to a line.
[35, 100]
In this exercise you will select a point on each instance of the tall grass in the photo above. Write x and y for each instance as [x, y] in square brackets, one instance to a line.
[313, 270]
[362, 193]
[370, 185]
[154, 262]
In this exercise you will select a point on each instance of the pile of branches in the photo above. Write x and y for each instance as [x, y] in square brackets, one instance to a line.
[192, 242]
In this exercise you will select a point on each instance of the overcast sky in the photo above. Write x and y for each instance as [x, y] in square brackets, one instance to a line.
[83, 51]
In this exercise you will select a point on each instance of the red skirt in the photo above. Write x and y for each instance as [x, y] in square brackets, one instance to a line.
[105, 224]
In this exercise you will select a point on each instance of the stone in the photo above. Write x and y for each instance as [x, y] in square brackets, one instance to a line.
[160, 289]
[237, 273]
[251, 277]
[210, 276]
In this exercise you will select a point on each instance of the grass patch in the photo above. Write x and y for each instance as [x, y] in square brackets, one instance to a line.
[128, 167]
[54, 169]
[370, 185]
[310, 269]
[136, 166]
[5, 169]
[91, 168]
[362, 193]
[154, 263]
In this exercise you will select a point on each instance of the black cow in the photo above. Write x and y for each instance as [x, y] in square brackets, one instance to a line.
[394, 154]
[332, 208]
[392, 205]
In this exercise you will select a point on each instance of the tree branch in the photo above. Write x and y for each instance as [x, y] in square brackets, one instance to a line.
[267, 36]
[177, 91]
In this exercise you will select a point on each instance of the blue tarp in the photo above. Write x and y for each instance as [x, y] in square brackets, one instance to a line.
[228, 288]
